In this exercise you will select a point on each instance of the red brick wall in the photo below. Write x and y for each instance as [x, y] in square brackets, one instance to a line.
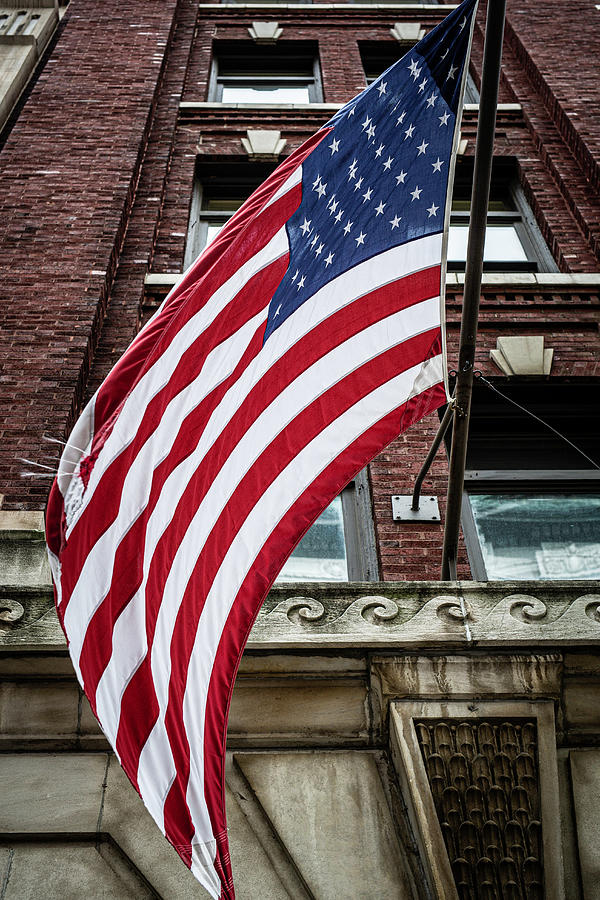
[68, 177]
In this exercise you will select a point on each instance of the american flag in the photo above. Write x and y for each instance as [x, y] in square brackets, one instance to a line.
[304, 339]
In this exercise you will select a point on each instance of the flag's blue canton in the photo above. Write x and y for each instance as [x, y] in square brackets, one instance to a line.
[379, 178]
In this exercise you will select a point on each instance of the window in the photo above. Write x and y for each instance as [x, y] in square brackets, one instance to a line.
[17, 23]
[340, 546]
[244, 72]
[377, 56]
[220, 188]
[31, 25]
[513, 240]
[531, 508]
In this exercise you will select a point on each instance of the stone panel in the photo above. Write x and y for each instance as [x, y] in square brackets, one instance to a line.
[330, 811]
[71, 870]
[290, 711]
[483, 778]
[462, 676]
[44, 793]
[419, 794]
[33, 709]
[585, 775]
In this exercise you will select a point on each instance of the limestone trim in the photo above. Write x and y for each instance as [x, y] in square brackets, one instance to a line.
[313, 107]
[531, 280]
[336, 7]
[466, 615]
[407, 757]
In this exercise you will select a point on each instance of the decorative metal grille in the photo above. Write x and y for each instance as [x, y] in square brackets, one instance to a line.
[484, 780]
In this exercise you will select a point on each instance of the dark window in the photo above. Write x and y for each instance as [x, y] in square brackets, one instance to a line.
[513, 240]
[245, 72]
[220, 188]
[377, 56]
[531, 508]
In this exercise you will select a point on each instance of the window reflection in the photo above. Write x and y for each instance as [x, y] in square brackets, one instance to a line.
[502, 242]
[321, 554]
[538, 536]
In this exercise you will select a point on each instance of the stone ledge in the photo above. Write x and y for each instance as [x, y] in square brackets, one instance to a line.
[20, 524]
[166, 279]
[336, 7]
[549, 280]
[381, 616]
[531, 279]
[308, 107]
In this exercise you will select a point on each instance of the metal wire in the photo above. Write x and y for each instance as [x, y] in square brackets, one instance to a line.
[537, 418]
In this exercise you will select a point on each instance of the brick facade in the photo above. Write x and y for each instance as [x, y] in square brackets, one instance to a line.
[96, 182]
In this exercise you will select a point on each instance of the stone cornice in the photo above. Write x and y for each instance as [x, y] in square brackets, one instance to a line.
[384, 616]
[318, 10]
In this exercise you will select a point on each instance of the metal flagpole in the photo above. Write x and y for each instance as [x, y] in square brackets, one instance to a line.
[484, 150]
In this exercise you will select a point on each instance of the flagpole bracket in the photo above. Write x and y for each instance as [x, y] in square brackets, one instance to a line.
[416, 495]
[428, 510]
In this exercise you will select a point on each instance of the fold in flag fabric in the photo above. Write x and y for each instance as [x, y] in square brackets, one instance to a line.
[303, 340]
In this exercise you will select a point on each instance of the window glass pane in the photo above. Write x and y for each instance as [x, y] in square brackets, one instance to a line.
[321, 554]
[221, 204]
[501, 243]
[17, 23]
[31, 25]
[268, 93]
[212, 231]
[494, 205]
[538, 536]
